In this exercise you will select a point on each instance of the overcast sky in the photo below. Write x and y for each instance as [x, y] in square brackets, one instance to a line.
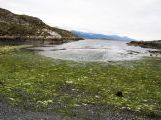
[139, 19]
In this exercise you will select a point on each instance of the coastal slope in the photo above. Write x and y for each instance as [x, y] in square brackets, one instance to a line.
[15, 26]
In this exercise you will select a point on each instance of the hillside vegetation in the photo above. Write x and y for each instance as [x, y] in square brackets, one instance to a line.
[13, 25]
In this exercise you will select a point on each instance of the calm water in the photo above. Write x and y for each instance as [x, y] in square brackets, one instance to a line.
[94, 50]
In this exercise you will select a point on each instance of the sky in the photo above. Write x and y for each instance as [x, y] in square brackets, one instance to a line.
[138, 19]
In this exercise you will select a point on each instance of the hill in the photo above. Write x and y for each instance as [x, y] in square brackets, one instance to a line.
[22, 26]
[87, 35]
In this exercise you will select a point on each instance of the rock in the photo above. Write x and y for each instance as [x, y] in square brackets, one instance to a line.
[156, 44]
[119, 94]
[1, 83]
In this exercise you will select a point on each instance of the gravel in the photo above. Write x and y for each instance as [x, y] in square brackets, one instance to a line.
[7, 112]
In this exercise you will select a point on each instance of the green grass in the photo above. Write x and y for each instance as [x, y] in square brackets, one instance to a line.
[4, 49]
[34, 82]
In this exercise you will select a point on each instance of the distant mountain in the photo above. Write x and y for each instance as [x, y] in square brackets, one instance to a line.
[87, 35]
[13, 25]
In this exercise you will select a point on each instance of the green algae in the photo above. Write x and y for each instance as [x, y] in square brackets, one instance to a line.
[31, 81]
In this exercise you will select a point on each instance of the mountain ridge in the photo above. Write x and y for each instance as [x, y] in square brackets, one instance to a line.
[88, 35]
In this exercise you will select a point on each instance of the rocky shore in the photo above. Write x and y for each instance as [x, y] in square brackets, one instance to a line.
[147, 44]
[35, 40]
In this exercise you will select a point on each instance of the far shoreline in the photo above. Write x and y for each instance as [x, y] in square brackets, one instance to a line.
[35, 40]
[147, 44]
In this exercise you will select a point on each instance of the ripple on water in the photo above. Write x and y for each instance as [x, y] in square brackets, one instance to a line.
[95, 50]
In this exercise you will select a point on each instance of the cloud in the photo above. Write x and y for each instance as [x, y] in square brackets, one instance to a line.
[139, 19]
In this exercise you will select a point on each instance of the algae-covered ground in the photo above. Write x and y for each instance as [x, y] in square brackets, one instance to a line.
[33, 82]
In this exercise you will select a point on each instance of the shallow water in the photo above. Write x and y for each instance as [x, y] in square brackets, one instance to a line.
[94, 50]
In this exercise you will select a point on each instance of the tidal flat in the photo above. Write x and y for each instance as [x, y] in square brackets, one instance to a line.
[33, 82]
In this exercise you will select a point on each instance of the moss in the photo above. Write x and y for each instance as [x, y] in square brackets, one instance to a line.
[33, 82]
[8, 49]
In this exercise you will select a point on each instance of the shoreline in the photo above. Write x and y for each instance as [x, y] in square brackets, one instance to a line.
[146, 44]
[13, 40]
